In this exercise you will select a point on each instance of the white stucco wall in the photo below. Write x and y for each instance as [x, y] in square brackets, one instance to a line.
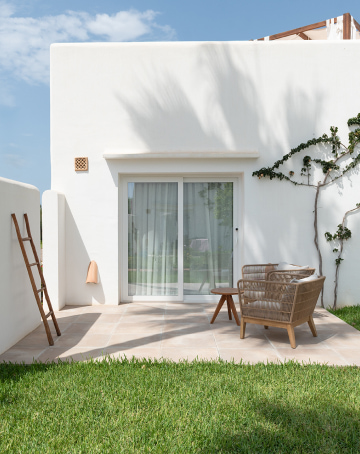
[54, 258]
[199, 97]
[18, 308]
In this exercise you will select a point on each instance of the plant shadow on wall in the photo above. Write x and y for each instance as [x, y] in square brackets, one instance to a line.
[335, 161]
[225, 107]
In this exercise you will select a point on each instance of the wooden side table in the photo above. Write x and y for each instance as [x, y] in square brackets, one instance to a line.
[226, 295]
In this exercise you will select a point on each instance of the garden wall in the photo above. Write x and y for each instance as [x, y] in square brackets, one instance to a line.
[19, 314]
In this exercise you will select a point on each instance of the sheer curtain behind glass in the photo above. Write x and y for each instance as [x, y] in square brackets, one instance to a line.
[153, 238]
[208, 237]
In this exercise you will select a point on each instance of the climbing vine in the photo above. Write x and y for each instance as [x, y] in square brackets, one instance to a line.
[332, 170]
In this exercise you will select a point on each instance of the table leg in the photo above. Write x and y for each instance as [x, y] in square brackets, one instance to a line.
[229, 307]
[233, 308]
[218, 307]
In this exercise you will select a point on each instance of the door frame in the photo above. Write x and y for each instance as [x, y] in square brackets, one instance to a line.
[180, 180]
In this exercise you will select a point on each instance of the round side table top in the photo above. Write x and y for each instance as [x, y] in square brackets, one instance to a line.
[224, 291]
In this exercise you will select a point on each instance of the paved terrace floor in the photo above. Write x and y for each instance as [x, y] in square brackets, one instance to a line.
[182, 331]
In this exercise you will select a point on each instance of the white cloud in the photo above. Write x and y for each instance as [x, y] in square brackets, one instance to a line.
[14, 160]
[25, 41]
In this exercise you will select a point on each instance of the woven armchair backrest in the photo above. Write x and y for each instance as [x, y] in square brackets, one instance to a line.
[307, 294]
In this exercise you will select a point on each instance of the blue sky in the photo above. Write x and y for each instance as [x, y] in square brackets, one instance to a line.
[28, 27]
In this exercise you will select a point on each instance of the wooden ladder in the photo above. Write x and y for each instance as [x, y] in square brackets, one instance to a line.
[32, 280]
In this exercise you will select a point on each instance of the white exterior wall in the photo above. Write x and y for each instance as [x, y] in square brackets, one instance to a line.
[18, 308]
[266, 97]
[54, 258]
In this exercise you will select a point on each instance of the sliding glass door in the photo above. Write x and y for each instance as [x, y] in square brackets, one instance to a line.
[180, 238]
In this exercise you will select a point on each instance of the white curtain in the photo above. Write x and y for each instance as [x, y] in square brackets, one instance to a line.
[208, 237]
[152, 240]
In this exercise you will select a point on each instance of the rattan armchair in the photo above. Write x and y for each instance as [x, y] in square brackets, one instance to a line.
[278, 302]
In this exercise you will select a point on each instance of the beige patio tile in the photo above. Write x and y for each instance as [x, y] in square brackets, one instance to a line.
[144, 327]
[228, 341]
[144, 310]
[314, 355]
[141, 318]
[132, 340]
[35, 340]
[175, 311]
[83, 340]
[186, 328]
[139, 353]
[95, 328]
[198, 340]
[189, 354]
[186, 318]
[344, 340]
[104, 309]
[351, 355]
[249, 355]
[99, 318]
[67, 317]
[280, 339]
[70, 353]
[21, 355]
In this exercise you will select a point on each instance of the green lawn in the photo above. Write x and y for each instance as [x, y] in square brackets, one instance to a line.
[134, 407]
[350, 315]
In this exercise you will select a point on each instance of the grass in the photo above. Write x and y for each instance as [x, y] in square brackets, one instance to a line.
[121, 406]
[350, 315]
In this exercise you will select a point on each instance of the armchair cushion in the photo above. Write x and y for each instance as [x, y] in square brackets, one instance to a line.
[284, 266]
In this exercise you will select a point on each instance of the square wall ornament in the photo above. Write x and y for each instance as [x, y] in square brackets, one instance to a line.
[81, 164]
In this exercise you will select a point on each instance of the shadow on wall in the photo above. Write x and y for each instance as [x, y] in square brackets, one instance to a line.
[234, 114]
[77, 254]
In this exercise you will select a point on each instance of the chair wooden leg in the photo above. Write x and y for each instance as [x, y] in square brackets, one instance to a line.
[312, 326]
[242, 328]
[291, 334]
[218, 307]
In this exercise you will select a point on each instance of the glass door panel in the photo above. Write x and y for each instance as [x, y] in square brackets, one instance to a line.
[153, 239]
[208, 237]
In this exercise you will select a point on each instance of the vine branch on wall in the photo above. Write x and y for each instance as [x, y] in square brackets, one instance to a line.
[331, 168]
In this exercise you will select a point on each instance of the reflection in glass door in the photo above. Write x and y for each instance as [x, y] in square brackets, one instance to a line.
[179, 239]
[208, 237]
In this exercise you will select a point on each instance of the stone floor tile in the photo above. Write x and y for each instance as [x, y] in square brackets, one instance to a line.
[132, 340]
[70, 353]
[189, 354]
[351, 355]
[344, 340]
[186, 328]
[200, 318]
[313, 355]
[198, 340]
[249, 355]
[280, 339]
[95, 328]
[134, 327]
[21, 355]
[139, 353]
[227, 341]
[134, 318]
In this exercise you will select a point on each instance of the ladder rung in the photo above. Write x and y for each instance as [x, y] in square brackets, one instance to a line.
[27, 238]
[33, 264]
[48, 314]
[41, 289]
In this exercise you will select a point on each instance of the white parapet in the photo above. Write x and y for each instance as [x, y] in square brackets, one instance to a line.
[54, 246]
[19, 312]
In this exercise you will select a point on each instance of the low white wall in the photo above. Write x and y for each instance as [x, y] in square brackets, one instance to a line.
[53, 205]
[18, 308]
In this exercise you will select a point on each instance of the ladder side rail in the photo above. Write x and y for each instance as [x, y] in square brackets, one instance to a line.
[43, 284]
[32, 280]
